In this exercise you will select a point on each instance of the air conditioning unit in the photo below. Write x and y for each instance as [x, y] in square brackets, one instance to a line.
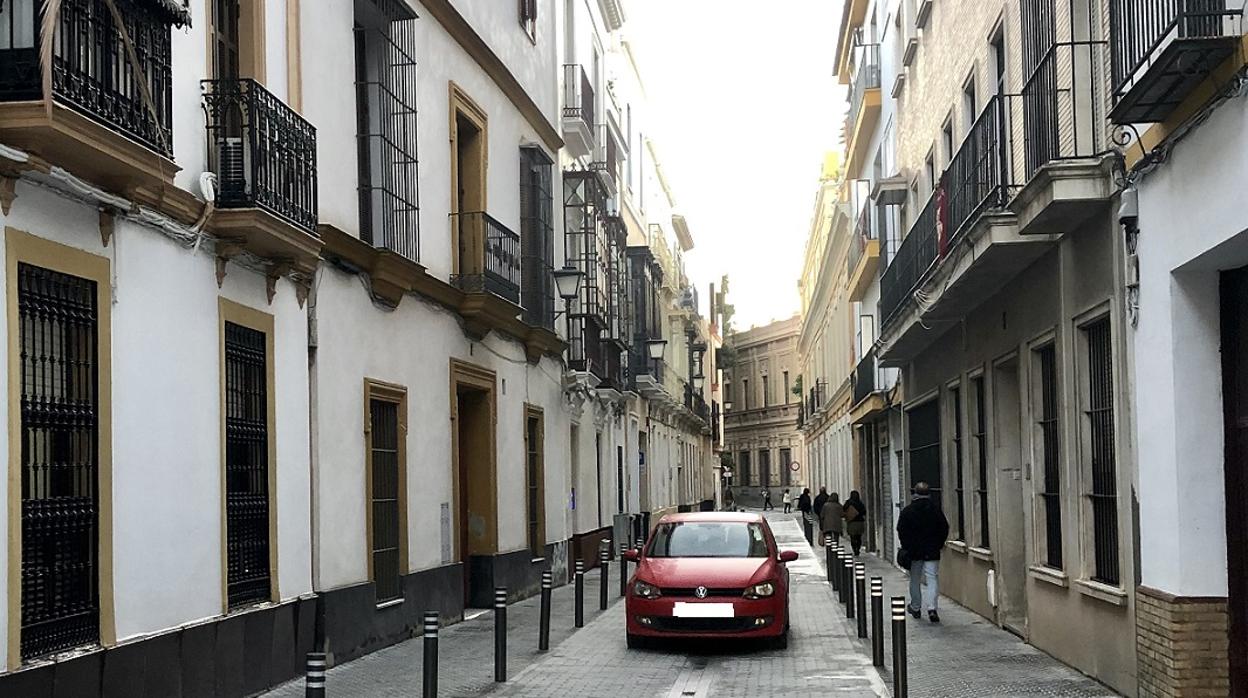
[232, 168]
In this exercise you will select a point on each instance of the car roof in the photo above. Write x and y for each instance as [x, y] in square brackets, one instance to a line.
[722, 516]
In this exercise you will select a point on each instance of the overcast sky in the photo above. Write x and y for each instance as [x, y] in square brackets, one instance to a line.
[746, 105]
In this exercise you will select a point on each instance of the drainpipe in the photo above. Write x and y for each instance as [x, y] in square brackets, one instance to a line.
[318, 633]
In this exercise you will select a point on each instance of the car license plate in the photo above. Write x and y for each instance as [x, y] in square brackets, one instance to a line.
[683, 609]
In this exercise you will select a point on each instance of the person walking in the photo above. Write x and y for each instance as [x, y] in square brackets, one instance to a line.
[831, 519]
[819, 500]
[806, 509]
[767, 500]
[922, 529]
[855, 520]
[787, 500]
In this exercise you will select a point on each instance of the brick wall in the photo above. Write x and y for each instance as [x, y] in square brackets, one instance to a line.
[1182, 645]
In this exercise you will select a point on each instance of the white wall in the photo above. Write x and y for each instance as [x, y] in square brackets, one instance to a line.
[1178, 365]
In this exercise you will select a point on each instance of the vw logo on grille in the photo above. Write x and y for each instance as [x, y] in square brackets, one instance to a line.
[700, 592]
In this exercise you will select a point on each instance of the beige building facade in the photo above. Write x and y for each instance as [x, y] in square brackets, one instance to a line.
[761, 434]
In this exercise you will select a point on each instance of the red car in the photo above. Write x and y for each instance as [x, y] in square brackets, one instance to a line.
[709, 575]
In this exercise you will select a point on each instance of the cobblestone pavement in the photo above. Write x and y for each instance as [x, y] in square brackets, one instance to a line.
[966, 655]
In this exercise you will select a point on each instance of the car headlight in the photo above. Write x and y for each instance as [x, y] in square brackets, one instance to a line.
[760, 591]
[645, 591]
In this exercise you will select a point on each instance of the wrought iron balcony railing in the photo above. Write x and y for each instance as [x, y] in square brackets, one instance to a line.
[976, 178]
[1165, 48]
[866, 77]
[917, 252]
[866, 377]
[538, 294]
[578, 95]
[92, 71]
[605, 159]
[864, 232]
[489, 259]
[262, 151]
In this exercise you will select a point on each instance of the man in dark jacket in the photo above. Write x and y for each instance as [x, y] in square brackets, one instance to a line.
[820, 501]
[923, 528]
[804, 506]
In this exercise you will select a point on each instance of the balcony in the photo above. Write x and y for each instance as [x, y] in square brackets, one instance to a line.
[578, 111]
[853, 14]
[605, 160]
[864, 106]
[869, 387]
[1163, 49]
[95, 122]
[864, 256]
[489, 260]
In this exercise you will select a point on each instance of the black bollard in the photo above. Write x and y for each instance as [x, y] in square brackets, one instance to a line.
[810, 536]
[580, 594]
[840, 577]
[500, 634]
[850, 606]
[877, 621]
[860, 590]
[431, 655]
[899, 647]
[623, 571]
[831, 567]
[314, 675]
[543, 630]
[604, 557]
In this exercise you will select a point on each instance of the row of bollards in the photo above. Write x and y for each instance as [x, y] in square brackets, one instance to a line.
[848, 580]
[314, 673]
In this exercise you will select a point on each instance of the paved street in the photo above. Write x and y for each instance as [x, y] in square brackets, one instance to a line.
[963, 656]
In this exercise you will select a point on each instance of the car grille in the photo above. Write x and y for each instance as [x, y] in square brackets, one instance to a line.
[704, 625]
[688, 592]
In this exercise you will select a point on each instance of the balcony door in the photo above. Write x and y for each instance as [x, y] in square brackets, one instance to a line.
[1235, 405]
[468, 167]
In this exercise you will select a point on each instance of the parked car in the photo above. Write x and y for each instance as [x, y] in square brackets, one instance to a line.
[709, 575]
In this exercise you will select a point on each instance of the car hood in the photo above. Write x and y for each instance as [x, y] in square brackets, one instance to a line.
[708, 572]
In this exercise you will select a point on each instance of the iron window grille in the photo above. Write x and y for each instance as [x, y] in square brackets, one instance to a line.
[645, 284]
[386, 135]
[533, 486]
[743, 467]
[262, 151]
[765, 476]
[489, 256]
[923, 447]
[958, 465]
[981, 452]
[384, 444]
[91, 68]
[618, 312]
[585, 243]
[786, 472]
[537, 237]
[1104, 484]
[58, 327]
[246, 466]
[578, 95]
[1049, 443]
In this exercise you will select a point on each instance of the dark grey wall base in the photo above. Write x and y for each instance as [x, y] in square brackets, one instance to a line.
[238, 655]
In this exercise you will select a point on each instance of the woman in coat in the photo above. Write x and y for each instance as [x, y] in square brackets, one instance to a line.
[855, 520]
[832, 518]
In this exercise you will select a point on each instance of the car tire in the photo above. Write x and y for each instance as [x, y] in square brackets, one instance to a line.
[781, 641]
[635, 642]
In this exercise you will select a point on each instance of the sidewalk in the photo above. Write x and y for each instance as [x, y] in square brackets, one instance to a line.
[465, 650]
[965, 654]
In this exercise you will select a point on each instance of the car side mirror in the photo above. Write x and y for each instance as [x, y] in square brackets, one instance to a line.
[631, 555]
[788, 556]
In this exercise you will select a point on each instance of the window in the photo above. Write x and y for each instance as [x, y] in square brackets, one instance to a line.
[387, 427]
[709, 539]
[929, 167]
[246, 465]
[535, 481]
[924, 447]
[998, 60]
[1047, 431]
[786, 472]
[968, 105]
[745, 392]
[766, 391]
[537, 237]
[743, 467]
[385, 116]
[1098, 394]
[787, 389]
[58, 319]
[946, 140]
[955, 398]
[528, 18]
[981, 461]
[764, 467]
[468, 178]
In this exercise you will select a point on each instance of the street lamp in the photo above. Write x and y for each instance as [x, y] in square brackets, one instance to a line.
[655, 347]
[698, 381]
[727, 405]
[568, 282]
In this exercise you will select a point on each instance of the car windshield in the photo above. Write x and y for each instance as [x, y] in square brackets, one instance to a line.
[709, 539]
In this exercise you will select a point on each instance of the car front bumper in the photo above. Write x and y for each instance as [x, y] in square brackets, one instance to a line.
[750, 618]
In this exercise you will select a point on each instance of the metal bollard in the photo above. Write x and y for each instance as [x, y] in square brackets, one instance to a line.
[860, 590]
[500, 634]
[877, 621]
[810, 536]
[314, 675]
[850, 606]
[623, 571]
[543, 632]
[431, 655]
[840, 577]
[899, 647]
[604, 558]
[831, 568]
[580, 594]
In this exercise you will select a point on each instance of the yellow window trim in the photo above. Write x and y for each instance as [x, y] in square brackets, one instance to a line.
[229, 311]
[24, 247]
